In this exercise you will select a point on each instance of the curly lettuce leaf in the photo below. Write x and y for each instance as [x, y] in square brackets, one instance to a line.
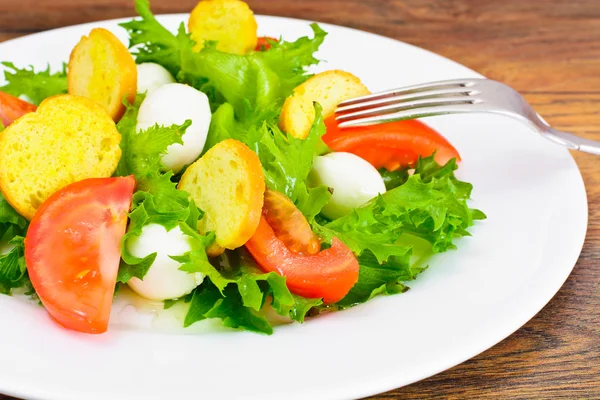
[153, 42]
[142, 151]
[302, 307]
[430, 207]
[393, 179]
[9, 217]
[252, 87]
[248, 82]
[286, 160]
[379, 278]
[13, 271]
[13, 227]
[37, 86]
[145, 212]
[208, 302]
[240, 297]
[157, 199]
[141, 157]
[290, 60]
[127, 128]
[422, 213]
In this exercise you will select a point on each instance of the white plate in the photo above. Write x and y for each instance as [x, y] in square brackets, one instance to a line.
[467, 301]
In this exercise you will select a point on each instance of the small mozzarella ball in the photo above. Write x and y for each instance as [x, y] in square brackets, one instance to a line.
[164, 280]
[151, 75]
[174, 103]
[354, 182]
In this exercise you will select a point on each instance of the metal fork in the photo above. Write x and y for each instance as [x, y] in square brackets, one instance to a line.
[455, 96]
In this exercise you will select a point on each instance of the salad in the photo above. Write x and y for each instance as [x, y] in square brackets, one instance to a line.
[206, 167]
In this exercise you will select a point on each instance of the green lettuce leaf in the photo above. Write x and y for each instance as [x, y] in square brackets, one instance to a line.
[208, 302]
[254, 81]
[157, 199]
[286, 160]
[430, 207]
[153, 42]
[393, 179]
[145, 212]
[37, 86]
[10, 218]
[141, 156]
[379, 278]
[289, 60]
[238, 298]
[302, 307]
[127, 128]
[13, 271]
[12, 263]
[421, 214]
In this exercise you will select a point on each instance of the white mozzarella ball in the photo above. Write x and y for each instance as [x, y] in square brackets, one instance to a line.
[151, 75]
[163, 280]
[174, 103]
[354, 182]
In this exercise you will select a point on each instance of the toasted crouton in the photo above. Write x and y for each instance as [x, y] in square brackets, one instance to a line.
[230, 23]
[68, 138]
[329, 89]
[102, 69]
[228, 184]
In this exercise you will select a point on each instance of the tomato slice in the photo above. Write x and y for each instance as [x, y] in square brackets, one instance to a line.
[263, 43]
[72, 250]
[329, 274]
[289, 224]
[392, 145]
[11, 108]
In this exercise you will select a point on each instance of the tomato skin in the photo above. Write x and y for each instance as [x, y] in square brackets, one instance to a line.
[289, 224]
[12, 108]
[72, 250]
[329, 274]
[392, 145]
[263, 43]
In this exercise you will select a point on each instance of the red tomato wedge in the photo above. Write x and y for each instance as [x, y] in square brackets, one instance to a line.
[289, 224]
[73, 248]
[12, 108]
[329, 274]
[391, 145]
[263, 43]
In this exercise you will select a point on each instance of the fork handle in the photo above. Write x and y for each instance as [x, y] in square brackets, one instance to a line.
[571, 141]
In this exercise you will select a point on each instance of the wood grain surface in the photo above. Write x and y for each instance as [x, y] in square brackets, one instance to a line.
[549, 50]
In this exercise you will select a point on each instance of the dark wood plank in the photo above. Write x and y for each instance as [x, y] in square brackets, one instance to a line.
[547, 49]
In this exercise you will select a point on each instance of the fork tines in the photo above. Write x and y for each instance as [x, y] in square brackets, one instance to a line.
[405, 103]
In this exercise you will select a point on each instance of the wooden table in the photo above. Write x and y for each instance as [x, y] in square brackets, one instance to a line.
[549, 50]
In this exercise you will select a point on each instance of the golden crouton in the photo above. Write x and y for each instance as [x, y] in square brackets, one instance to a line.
[329, 89]
[228, 184]
[68, 139]
[229, 22]
[102, 69]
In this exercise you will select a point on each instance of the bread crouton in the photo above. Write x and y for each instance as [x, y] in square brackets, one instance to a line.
[230, 23]
[228, 184]
[329, 89]
[68, 139]
[102, 69]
